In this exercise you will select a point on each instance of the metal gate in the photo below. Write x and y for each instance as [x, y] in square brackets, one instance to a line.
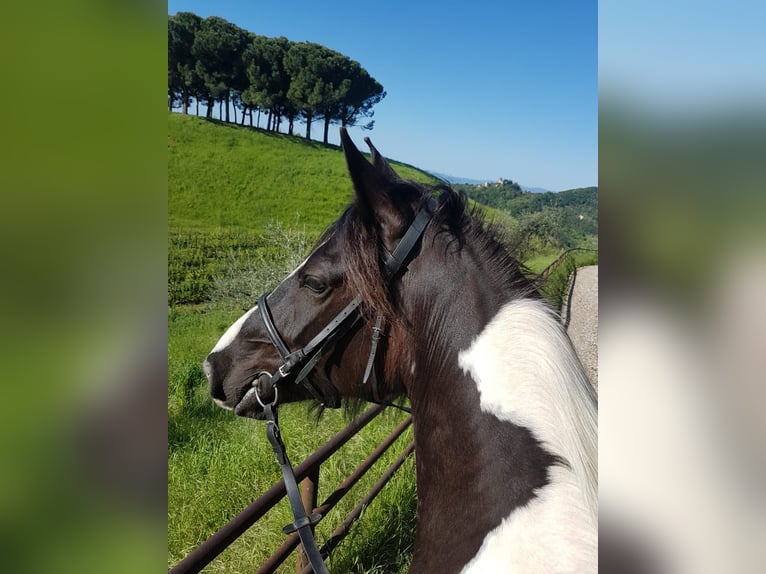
[307, 473]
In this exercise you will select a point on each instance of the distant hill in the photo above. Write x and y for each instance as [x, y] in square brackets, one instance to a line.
[451, 179]
[511, 197]
[534, 189]
[569, 218]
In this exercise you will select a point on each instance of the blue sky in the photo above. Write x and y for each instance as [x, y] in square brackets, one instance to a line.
[482, 89]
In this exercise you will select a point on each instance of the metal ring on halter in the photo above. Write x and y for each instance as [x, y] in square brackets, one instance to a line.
[272, 403]
[255, 382]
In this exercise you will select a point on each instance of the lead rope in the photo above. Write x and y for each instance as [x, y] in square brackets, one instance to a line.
[302, 524]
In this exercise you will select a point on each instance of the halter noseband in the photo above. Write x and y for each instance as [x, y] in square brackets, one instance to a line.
[297, 365]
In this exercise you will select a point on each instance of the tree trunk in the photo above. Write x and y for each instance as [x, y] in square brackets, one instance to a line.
[244, 115]
[290, 126]
[220, 109]
[251, 117]
[268, 122]
[184, 101]
[196, 101]
[326, 128]
[308, 126]
[228, 101]
[209, 112]
[258, 122]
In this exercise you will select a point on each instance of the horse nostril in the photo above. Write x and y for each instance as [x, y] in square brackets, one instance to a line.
[215, 386]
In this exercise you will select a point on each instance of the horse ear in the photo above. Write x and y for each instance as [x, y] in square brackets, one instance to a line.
[380, 163]
[372, 182]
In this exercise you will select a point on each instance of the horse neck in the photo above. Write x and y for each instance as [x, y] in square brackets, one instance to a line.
[494, 363]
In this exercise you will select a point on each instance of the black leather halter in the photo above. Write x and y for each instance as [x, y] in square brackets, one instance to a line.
[297, 365]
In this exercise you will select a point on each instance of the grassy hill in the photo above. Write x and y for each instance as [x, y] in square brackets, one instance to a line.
[227, 185]
[221, 175]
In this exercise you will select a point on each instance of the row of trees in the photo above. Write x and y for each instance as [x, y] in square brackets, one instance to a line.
[212, 60]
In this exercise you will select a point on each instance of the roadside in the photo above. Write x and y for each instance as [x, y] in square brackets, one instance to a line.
[579, 314]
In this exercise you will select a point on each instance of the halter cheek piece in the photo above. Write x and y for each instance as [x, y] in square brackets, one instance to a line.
[296, 367]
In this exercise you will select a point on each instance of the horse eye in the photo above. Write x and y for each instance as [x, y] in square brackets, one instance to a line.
[314, 283]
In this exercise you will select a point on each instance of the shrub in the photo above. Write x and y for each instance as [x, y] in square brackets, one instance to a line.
[244, 275]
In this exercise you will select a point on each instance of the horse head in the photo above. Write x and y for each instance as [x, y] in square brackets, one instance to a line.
[347, 265]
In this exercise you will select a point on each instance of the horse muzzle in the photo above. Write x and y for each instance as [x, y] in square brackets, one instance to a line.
[260, 393]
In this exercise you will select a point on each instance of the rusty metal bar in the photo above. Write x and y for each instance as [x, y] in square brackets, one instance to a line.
[363, 467]
[284, 550]
[201, 556]
[340, 533]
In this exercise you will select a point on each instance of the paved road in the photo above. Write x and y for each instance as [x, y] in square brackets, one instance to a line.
[580, 316]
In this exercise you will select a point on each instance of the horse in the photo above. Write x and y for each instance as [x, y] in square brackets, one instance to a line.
[410, 293]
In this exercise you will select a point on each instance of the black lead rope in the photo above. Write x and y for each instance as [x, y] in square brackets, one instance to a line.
[303, 524]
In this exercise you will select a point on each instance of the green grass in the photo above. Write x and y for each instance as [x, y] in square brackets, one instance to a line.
[222, 176]
[219, 464]
[558, 272]
[539, 261]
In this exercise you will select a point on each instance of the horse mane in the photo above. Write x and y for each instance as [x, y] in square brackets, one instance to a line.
[362, 249]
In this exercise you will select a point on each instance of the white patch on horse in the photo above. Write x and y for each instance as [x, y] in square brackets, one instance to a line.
[552, 533]
[232, 332]
[527, 373]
